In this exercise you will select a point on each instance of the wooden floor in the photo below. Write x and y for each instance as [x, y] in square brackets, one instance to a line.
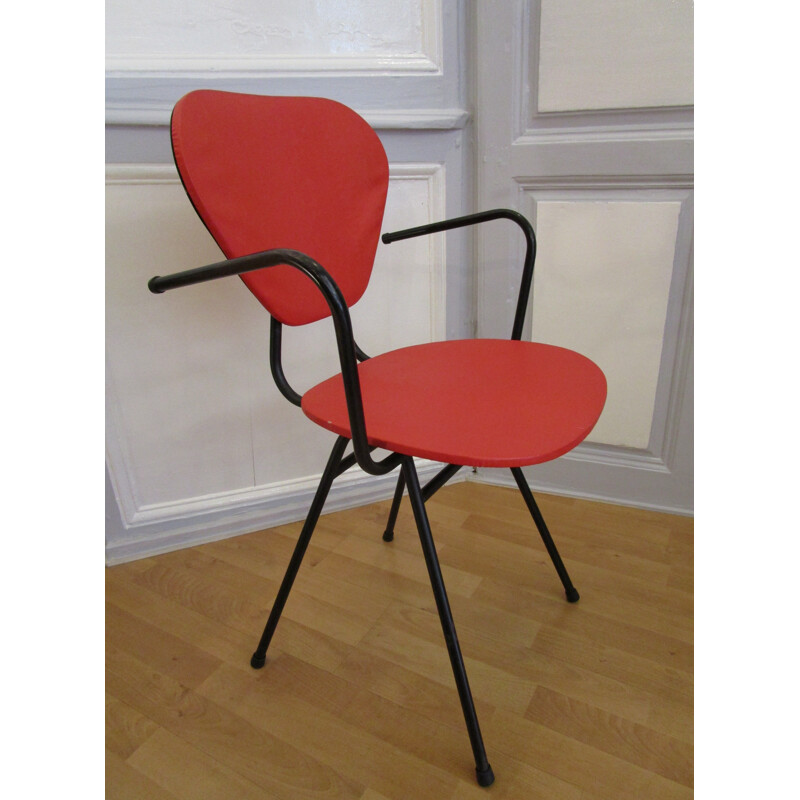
[357, 700]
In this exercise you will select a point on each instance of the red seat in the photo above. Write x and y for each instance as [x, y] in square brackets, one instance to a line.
[293, 190]
[478, 403]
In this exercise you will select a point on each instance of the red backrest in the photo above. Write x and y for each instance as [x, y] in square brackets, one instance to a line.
[301, 173]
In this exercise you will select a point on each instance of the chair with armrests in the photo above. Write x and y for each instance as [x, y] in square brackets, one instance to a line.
[293, 191]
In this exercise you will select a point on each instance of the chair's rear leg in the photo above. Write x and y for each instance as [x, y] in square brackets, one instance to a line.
[482, 768]
[331, 471]
[388, 534]
[430, 488]
[572, 592]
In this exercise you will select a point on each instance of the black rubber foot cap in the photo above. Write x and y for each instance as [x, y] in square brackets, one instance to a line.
[258, 661]
[388, 535]
[485, 776]
[572, 595]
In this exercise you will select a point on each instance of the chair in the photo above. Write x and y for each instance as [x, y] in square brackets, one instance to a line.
[293, 190]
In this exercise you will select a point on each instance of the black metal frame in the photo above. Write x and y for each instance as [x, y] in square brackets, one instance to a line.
[349, 355]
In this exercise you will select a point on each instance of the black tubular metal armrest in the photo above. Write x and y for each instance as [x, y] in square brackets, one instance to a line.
[474, 219]
[341, 323]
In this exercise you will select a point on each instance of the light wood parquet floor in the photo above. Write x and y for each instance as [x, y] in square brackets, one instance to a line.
[591, 701]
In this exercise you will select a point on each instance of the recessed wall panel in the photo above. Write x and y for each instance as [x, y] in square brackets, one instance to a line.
[172, 32]
[601, 287]
[614, 54]
[172, 359]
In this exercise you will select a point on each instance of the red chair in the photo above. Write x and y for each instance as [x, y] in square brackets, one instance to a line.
[293, 190]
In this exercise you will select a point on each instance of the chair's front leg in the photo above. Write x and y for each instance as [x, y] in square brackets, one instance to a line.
[482, 768]
[331, 471]
[572, 592]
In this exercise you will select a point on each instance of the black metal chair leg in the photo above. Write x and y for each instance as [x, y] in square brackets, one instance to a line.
[430, 489]
[572, 592]
[388, 534]
[482, 769]
[331, 471]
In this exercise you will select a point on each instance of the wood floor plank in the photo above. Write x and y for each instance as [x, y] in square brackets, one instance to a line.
[124, 782]
[413, 639]
[374, 580]
[325, 601]
[230, 739]
[233, 604]
[187, 773]
[634, 743]
[166, 653]
[585, 701]
[590, 624]
[525, 781]
[211, 636]
[407, 688]
[648, 557]
[392, 559]
[126, 728]
[615, 664]
[344, 747]
[269, 551]
[371, 794]
[422, 736]
[672, 717]
[320, 687]
[595, 771]
[197, 590]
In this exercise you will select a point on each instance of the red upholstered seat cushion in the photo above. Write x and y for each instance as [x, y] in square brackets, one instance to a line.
[482, 403]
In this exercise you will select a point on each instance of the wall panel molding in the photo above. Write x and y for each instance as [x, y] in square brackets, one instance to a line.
[158, 114]
[241, 67]
[531, 120]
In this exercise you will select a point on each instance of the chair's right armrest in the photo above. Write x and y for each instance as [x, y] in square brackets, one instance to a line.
[474, 219]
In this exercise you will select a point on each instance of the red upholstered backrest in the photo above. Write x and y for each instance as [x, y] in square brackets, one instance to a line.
[301, 173]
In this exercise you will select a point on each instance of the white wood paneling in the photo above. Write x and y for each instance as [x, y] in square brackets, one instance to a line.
[615, 54]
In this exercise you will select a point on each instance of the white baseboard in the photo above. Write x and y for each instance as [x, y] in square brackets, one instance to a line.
[167, 527]
[619, 497]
